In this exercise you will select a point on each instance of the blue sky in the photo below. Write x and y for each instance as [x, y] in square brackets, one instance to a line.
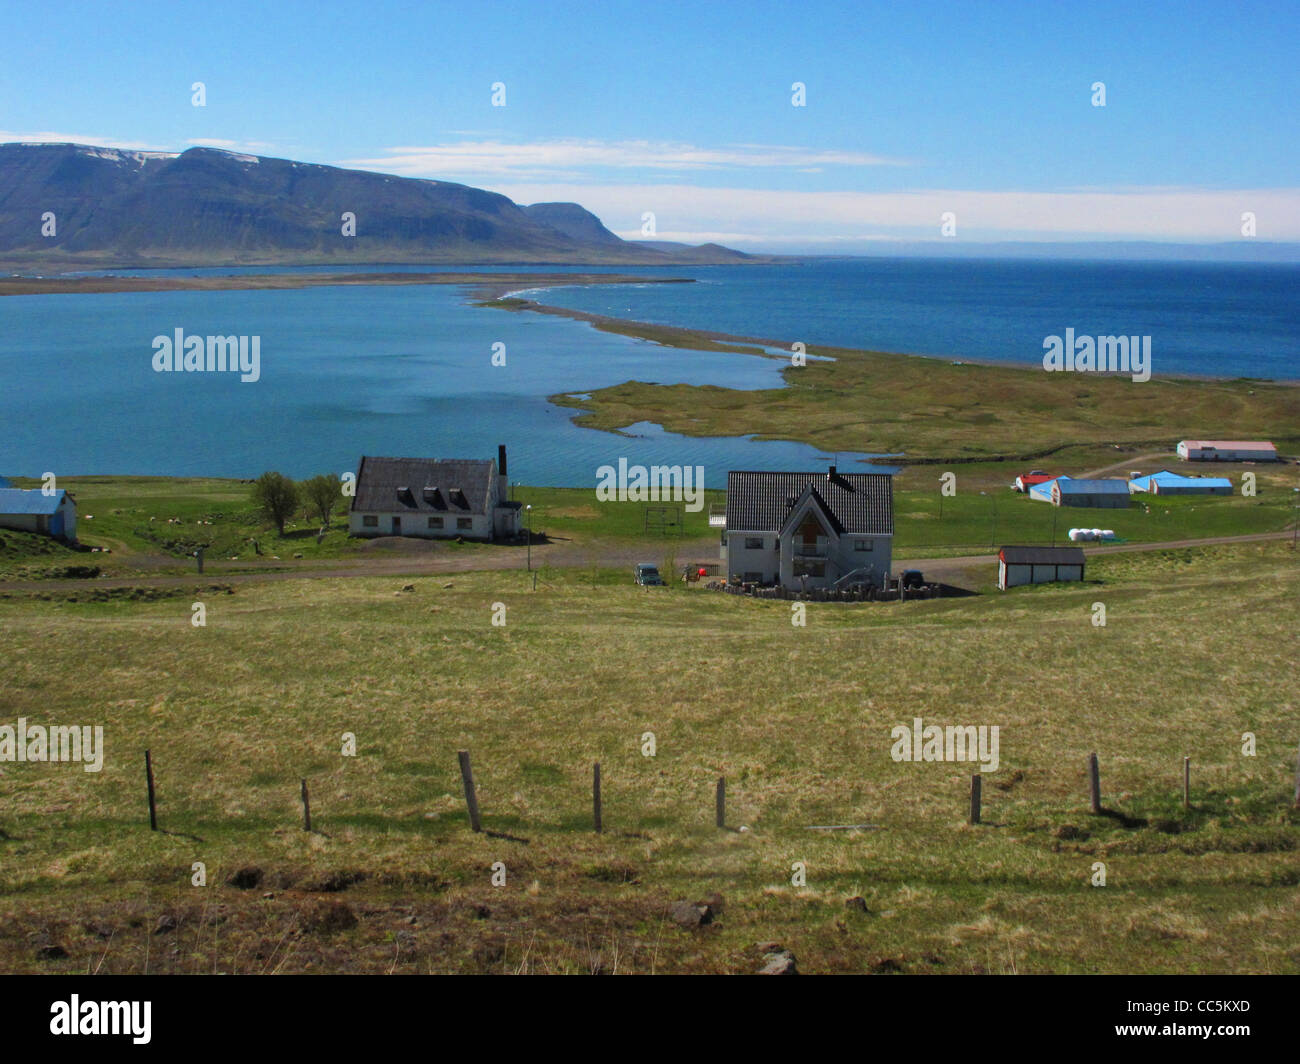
[684, 109]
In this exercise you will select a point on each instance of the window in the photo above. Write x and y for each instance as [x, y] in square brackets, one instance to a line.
[370, 521]
[435, 522]
[464, 522]
[753, 543]
[863, 544]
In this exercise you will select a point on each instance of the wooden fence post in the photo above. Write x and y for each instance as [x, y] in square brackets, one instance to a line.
[720, 802]
[306, 808]
[471, 799]
[976, 782]
[1094, 783]
[1187, 783]
[148, 775]
[1297, 781]
[595, 796]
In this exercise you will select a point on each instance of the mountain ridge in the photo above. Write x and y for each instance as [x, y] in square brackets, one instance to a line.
[211, 207]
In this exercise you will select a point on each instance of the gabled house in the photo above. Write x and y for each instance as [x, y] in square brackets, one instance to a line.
[34, 511]
[433, 498]
[809, 530]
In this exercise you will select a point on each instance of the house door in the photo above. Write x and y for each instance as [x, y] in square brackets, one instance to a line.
[397, 526]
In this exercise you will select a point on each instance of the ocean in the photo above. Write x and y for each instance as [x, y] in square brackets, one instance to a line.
[408, 370]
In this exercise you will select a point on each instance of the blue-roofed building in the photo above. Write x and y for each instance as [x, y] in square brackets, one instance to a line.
[1043, 492]
[34, 511]
[1105, 494]
[1167, 483]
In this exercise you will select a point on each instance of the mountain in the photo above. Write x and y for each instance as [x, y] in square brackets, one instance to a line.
[206, 207]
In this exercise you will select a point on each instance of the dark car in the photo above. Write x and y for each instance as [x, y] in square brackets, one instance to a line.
[647, 575]
[911, 578]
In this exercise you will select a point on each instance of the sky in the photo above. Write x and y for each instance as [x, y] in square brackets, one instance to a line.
[984, 111]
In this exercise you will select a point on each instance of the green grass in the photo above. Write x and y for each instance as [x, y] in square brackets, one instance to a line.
[1197, 651]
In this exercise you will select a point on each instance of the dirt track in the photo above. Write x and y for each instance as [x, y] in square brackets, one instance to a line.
[560, 554]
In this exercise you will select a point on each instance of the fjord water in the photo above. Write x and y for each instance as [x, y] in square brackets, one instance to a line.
[345, 371]
[407, 370]
[1204, 319]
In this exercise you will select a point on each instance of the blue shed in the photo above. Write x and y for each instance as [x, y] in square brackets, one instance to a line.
[34, 511]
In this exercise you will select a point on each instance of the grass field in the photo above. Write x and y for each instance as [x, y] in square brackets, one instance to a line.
[797, 719]
[929, 409]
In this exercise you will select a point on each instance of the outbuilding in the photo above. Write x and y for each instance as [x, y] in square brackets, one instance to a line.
[1227, 451]
[33, 510]
[1106, 494]
[1167, 483]
[1038, 565]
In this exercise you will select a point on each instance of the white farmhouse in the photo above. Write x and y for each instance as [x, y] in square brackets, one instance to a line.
[809, 530]
[434, 498]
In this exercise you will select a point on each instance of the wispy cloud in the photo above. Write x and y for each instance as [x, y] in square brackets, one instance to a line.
[45, 137]
[766, 216]
[573, 159]
[251, 146]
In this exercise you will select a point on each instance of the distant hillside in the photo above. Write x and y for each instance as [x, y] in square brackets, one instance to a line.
[211, 207]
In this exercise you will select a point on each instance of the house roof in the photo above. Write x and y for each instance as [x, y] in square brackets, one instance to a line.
[29, 501]
[811, 494]
[1035, 478]
[1044, 489]
[1042, 555]
[860, 503]
[1167, 477]
[1093, 487]
[1232, 445]
[460, 486]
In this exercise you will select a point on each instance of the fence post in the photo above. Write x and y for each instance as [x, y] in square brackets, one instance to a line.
[595, 796]
[720, 802]
[467, 779]
[306, 808]
[1094, 783]
[148, 775]
[1187, 783]
[976, 783]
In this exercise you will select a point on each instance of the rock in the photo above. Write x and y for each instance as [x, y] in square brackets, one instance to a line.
[408, 587]
[166, 922]
[412, 920]
[51, 953]
[714, 903]
[858, 905]
[445, 586]
[781, 963]
[688, 914]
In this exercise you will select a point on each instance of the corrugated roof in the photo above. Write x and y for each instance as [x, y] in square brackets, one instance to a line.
[862, 503]
[25, 501]
[463, 485]
[1234, 445]
[1168, 478]
[1042, 555]
[1093, 487]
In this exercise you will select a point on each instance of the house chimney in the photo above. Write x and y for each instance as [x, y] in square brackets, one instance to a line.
[503, 481]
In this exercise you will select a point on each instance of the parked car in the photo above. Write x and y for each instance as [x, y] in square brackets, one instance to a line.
[911, 578]
[647, 575]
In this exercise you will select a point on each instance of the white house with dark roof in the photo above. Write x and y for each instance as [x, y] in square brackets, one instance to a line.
[434, 498]
[809, 530]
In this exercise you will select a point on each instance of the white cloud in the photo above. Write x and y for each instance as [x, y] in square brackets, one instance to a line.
[77, 138]
[573, 158]
[783, 216]
[253, 146]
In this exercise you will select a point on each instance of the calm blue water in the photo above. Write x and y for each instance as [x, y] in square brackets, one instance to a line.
[344, 371]
[407, 371]
[1212, 319]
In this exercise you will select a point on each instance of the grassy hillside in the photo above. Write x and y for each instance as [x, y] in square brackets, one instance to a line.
[1196, 652]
